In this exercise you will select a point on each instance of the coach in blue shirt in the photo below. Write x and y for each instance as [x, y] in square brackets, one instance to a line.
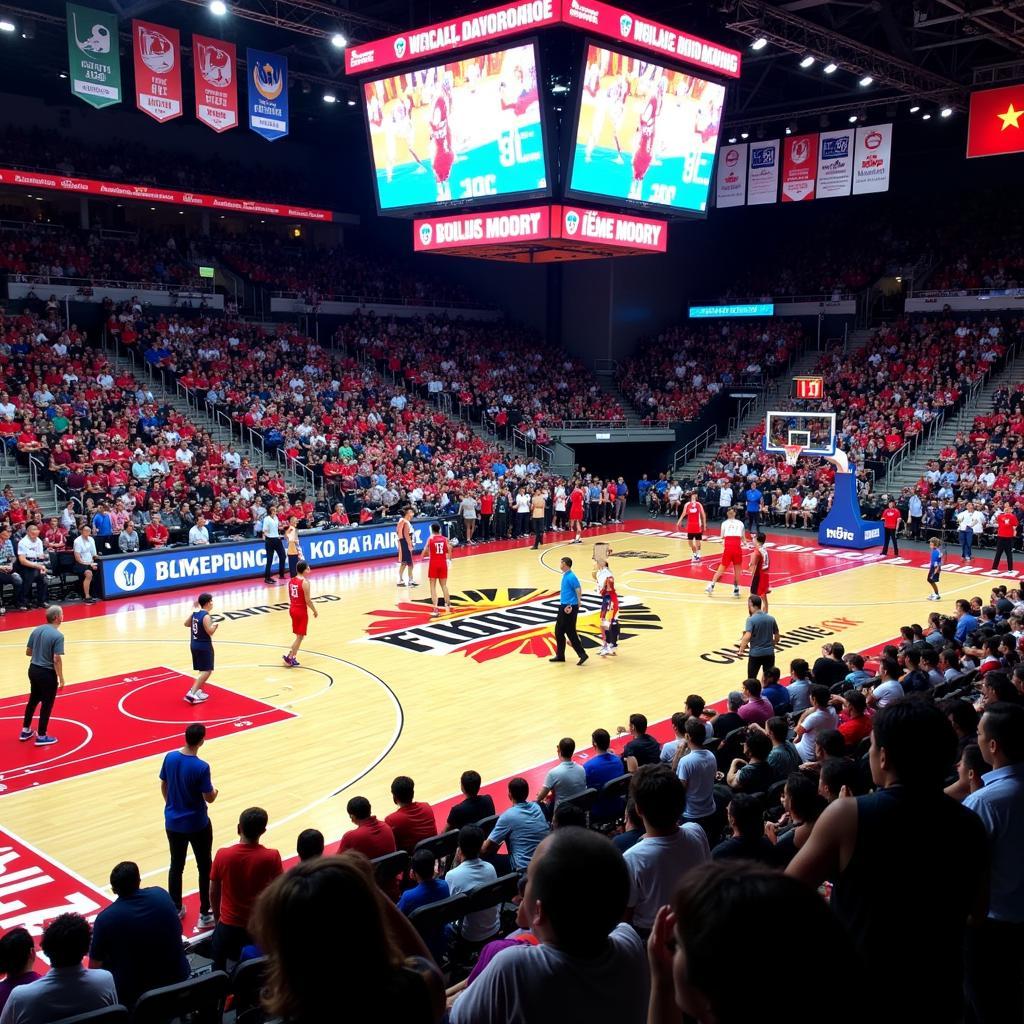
[568, 610]
[754, 499]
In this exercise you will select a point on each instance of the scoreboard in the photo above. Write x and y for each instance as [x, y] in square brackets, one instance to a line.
[809, 388]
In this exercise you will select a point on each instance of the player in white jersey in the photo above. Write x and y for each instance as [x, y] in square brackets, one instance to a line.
[732, 552]
[610, 104]
[398, 127]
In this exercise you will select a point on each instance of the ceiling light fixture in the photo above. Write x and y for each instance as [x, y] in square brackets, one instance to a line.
[744, 135]
[759, 43]
[865, 81]
[915, 108]
[6, 26]
[807, 61]
[946, 112]
[329, 97]
[338, 41]
[926, 117]
[830, 68]
[218, 7]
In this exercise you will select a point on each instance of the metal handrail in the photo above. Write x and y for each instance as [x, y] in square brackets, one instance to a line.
[379, 300]
[693, 448]
[199, 288]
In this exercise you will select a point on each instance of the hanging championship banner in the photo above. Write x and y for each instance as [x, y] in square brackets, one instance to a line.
[799, 165]
[268, 93]
[157, 70]
[731, 181]
[763, 174]
[835, 163]
[94, 59]
[871, 159]
[216, 91]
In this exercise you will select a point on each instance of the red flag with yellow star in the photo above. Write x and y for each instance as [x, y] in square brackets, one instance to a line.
[996, 123]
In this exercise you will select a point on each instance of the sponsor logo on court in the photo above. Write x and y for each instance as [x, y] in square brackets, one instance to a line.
[791, 638]
[641, 554]
[492, 623]
[266, 609]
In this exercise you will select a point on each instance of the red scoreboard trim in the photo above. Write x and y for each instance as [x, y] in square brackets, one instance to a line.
[459, 231]
[512, 19]
[156, 194]
[618, 230]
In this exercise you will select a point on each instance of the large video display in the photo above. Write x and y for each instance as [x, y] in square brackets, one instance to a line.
[645, 134]
[463, 131]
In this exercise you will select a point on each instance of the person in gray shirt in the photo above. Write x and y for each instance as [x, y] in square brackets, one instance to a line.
[760, 635]
[567, 779]
[45, 647]
[8, 567]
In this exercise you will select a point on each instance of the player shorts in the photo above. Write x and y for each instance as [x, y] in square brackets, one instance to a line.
[443, 164]
[933, 577]
[732, 556]
[404, 551]
[760, 584]
[695, 535]
[300, 623]
[641, 161]
[609, 607]
[437, 572]
[202, 658]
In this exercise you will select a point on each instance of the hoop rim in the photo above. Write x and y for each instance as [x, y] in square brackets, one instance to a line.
[792, 453]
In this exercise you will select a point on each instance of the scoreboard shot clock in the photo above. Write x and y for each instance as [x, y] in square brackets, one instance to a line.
[809, 388]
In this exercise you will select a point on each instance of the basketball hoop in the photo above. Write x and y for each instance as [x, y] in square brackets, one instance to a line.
[792, 453]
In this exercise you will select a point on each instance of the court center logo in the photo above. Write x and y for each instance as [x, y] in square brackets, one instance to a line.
[400, 47]
[491, 623]
[130, 575]
[625, 24]
[426, 234]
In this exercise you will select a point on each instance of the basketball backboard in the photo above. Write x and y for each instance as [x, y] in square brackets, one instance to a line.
[814, 431]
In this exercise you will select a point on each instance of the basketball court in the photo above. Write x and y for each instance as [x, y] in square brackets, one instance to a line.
[384, 690]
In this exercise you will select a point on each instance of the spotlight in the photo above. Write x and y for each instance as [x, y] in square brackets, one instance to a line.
[830, 68]
[28, 29]
[744, 135]
[946, 112]
[807, 61]
[852, 119]
[759, 43]
[338, 41]
[732, 140]
[865, 81]
[351, 103]
[915, 108]
[62, 74]
[6, 26]
[789, 129]
[218, 8]
[329, 97]
[926, 117]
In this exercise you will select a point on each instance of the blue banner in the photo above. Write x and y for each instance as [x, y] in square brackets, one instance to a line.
[149, 572]
[744, 309]
[844, 527]
[268, 94]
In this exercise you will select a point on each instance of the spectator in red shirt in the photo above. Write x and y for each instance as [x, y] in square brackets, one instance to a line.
[156, 532]
[413, 820]
[239, 874]
[339, 517]
[1006, 531]
[370, 837]
[55, 536]
[854, 721]
[891, 520]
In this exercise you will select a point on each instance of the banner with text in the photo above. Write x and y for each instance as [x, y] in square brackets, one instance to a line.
[157, 70]
[731, 183]
[268, 93]
[799, 167]
[872, 158]
[619, 230]
[835, 163]
[215, 67]
[94, 56]
[763, 173]
[529, 224]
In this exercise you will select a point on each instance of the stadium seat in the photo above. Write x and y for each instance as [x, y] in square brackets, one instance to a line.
[389, 867]
[494, 894]
[487, 824]
[245, 986]
[198, 1000]
[427, 920]
[116, 1014]
[442, 846]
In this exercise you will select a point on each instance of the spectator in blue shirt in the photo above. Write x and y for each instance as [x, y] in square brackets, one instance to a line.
[429, 889]
[642, 487]
[774, 691]
[521, 828]
[966, 622]
[568, 611]
[600, 769]
[499, 469]
[753, 499]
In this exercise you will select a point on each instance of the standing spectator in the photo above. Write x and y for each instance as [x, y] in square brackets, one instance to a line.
[138, 937]
[537, 510]
[270, 530]
[567, 779]
[239, 874]
[474, 808]
[45, 647]
[414, 820]
[754, 499]
[856, 841]
[67, 988]
[697, 768]
[995, 950]
[891, 520]
[32, 567]
[568, 610]
[467, 511]
[472, 872]
[760, 635]
[84, 550]
[8, 570]
[103, 528]
[17, 960]
[1006, 531]
[521, 828]
[187, 791]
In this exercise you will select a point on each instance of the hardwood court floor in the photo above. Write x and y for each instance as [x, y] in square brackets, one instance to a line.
[382, 690]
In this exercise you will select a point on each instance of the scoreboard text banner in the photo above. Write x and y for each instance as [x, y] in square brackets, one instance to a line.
[618, 230]
[731, 176]
[94, 56]
[763, 173]
[515, 18]
[216, 65]
[434, 234]
[835, 163]
[872, 158]
[799, 166]
[157, 70]
[994, 126]
[268, 93]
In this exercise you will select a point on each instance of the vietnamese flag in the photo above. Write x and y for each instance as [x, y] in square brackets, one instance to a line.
[996, 123]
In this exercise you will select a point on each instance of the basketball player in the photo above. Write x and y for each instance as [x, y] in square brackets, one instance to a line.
[645, 134]
[576, 513]
[399, 127]
[732, 552]
[300, 604]
[610, 104]
[403, 530]
[934, 568]
[291, 540]
[438, 553]
[441, 135]
[609, 609]
[696, 521]
[201, 627]
[759, 582]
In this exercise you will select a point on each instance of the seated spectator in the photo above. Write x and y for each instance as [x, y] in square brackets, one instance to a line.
[752, 773]
[521, 828]
[697, 768]
[774, 691]
[138, 937]
[747, 839]
[67, 988]
[642, 748]
[239, 874]
[414, 820]
[428, 889]
[728, 721]
[799, 687]
[756, 708]
[588, 966]
[818, 717]
[17, 960]
[600, 770]
[567, 779]
[857, 673]
[830, 668]
[784, 758]
[474, 807]
[370, 837]
[888, 689]
[667, 851]
[633, 831]
[837, 777]
[378, 967]
[470, 873]
[854, 720]
[801, 807]
[970, 770]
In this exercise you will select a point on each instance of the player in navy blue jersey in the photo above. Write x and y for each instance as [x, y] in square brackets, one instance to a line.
[201, 629]
[934, 568]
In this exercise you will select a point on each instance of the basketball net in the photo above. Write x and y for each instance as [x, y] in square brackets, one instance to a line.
[792, 453]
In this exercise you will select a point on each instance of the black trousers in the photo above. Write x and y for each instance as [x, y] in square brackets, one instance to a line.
[994, 972]
[538, 532]
[293, 562]
[33, 578]
[1004, 546]
[42, 694]
[890, 537]
[915, 527]
[565, 626]
[484, 526]
[522, 524]
[756, 662]
[228, 940]
[274, 546]
[202, 849]
[500, 525]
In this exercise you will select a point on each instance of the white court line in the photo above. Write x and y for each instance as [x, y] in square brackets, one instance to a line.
[93, 689]
[23, 770]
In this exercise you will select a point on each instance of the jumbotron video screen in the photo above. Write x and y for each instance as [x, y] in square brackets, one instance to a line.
[466, 130]
[644, 133]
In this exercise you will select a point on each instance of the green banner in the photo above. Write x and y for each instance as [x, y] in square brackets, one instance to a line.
[94, 55]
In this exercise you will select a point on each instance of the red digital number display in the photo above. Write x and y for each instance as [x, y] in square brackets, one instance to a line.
[809, 387]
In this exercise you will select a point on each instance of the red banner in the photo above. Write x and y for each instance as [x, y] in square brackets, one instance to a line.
[157, 70]
[529, 224]
[156, 194]
[996, 124]
[512, 19]
[216, 73]
[799, 167]
[618, 230]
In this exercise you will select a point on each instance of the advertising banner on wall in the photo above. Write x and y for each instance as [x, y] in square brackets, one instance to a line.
[763, 173]
[872, 159]
[268, 93]
[157, 51]
[835, 163]
[216, 89]
[731, 177]
[799, 167]
[94, 58]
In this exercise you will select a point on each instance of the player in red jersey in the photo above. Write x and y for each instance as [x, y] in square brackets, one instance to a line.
[646, 130]
[576, 513]
[441, 134]
[732, 552]
[760, 585]
[696, 521]
[300, 604]
[438, 553]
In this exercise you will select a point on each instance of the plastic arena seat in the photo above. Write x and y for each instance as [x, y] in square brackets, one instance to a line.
[494, 894]
[116, 1014]
[198, 1000]
[442, 846]
[246, 984]
[389, 867]
[486, 825]
[427, 920]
